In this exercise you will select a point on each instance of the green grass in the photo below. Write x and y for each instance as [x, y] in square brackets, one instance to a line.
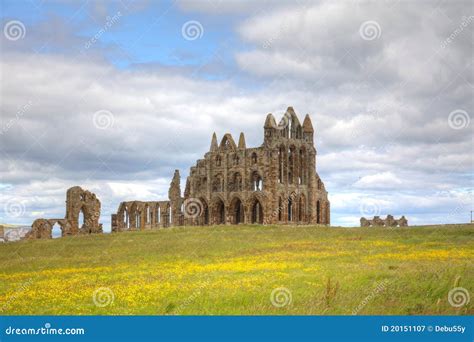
[234, 269]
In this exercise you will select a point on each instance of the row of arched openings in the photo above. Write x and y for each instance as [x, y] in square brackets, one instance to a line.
[236, 159]
[292, 165]
[236, 183]
[237, 212]
[133, 219]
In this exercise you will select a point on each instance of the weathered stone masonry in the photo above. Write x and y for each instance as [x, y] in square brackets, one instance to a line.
[274, 183]
[390, 221]
[77, 201]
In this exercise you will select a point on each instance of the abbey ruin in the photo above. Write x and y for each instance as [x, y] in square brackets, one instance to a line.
[276, 182]
[79, 204]
[390, 221]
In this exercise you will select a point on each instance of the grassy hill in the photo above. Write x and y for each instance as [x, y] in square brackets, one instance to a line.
[242, 270]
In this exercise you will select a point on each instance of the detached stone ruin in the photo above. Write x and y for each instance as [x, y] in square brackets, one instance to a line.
[77, 201]
[390, 221]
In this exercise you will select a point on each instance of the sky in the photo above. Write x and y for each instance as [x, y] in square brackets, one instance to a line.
[115, 95]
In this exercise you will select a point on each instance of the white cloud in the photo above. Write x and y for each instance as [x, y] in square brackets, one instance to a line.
[383, 180]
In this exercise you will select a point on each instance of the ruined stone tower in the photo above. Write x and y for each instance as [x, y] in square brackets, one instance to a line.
[276, 182]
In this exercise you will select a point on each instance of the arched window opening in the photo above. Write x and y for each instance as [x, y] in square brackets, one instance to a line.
[170, 214]
[220, 213]
[254, 158]
[236, 184]
[291, 164]
[280, 165]
[280, 208]
[290, 128]
[158, 214]
[81, 220]
[302, 209]
[218, 160]
[290, 209]
[206, 215]
[318, 212]
[56, 231]
[302, 176]
[237, 211]
[125, 221]
[148, 214]
[257, 182]
[218, 184]
[257, 212]
[137, 221]
[236, 160]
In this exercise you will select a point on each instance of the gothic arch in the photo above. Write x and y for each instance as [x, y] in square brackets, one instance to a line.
[237, 210]
[302, 177]
[235, 183]
[302, 209]
[228, 143]
[282, 164]
[254, 158]
[123, 219]
[158, 214]
[256, 181]
[218, 183]
[218, 210]
[290, 207]
[280, 209]
[291, 164]
[318, 211]
[203, 218]
[256, 211]
[148, 213]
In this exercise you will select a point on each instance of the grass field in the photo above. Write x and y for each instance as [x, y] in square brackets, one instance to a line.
[235, 270]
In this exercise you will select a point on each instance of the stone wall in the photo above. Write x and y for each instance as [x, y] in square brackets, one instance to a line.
[388, 222]
[77, 201]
